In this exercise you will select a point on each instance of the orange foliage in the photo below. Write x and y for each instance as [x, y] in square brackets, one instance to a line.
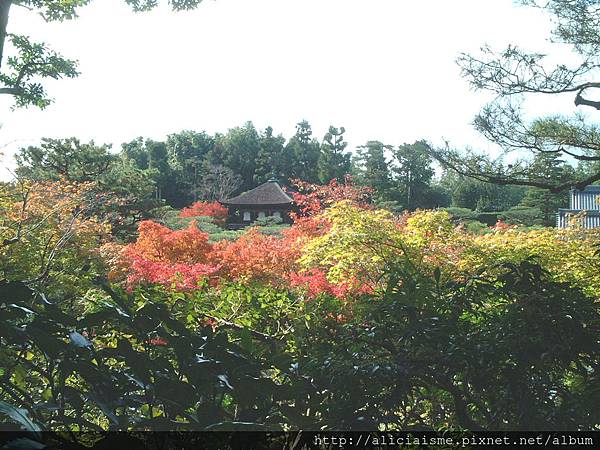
[209, 209]
[48, 228]
[185, 258]
[160, 255]
[312, 199]
[256, 257]
[315, 282]
[159, 243]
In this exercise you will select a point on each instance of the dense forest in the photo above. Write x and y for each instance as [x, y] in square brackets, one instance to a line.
[194, 165]
[418, 288]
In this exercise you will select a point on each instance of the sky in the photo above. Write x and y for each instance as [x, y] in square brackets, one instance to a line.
[383, 69]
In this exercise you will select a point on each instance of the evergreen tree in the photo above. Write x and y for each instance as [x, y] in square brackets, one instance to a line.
[304, 151]
[333, 162]
[67, 158]
[239, 149]
[135, 151]
[372, 168]
[466, 192]
[271, 158]
[413, 174]
[187, 151]
[548, 166]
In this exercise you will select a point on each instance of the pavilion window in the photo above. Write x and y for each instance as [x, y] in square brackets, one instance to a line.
[277, 214]
[261, 215]
[247, 217]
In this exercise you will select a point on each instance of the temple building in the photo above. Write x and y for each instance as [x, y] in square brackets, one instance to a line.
[266, 200]
[583, 211]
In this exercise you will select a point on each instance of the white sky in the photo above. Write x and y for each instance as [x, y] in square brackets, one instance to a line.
[383, 69]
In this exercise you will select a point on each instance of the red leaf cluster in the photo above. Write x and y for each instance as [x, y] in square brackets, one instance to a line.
[315, 283]
[256, 257]
[311, 199]
[209, 209]
[160, 255]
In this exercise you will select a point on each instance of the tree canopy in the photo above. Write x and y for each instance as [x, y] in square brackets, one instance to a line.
[514, 75]
[26, 64]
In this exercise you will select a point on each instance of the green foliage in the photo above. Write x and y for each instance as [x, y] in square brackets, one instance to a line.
[488, 218]
[306, 152]
[333, 162]
[29, 63]
[177, 5]
[130, 188]
[476, 227]
[237, 150]
[64, 158]
[524, 215]
[517, 352]
[170, 218]
[268, 221]
[414, 172]
[273, 230]
[273, 158]
[403, 175]
[478, 195]
[517, 215]
[390, 205]
[33, 61]
[372, 168]
[461, 213]
[187, 151]
[511, 351]
[133, 363]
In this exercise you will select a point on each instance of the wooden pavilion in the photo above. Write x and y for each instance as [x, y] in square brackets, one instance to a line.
[266, 200]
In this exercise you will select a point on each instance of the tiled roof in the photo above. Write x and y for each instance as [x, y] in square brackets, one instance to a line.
[269, 193]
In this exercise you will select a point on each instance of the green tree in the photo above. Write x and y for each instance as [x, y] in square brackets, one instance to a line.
[372, 168]
[68, 158]
[187, 152]
[272, 159]
[413, 174]
[125, 192]
[29, 62]
[475, 194]
[513, 75]
[552, 168]
[153, 156]
[333, 162]
[135, 150]
[305, 151]
[238, 151]
[132, 191]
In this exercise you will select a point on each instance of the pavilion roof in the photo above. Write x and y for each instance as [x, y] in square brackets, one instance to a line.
[269, 193]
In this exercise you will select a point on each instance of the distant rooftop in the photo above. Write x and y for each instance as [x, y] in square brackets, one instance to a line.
[269, 193]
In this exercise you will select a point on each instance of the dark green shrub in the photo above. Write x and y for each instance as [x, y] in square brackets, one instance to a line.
[522, 215]
[461, 213]
[488, 218]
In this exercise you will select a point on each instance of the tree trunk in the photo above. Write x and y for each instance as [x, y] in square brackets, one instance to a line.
[4, 9]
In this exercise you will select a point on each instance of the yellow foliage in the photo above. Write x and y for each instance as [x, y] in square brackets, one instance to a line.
[358, 243]
[569, 255]
[47, 229]
[363, 243]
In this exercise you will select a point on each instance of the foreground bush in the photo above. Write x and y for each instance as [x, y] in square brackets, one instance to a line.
[514, 351]
[131, 364]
